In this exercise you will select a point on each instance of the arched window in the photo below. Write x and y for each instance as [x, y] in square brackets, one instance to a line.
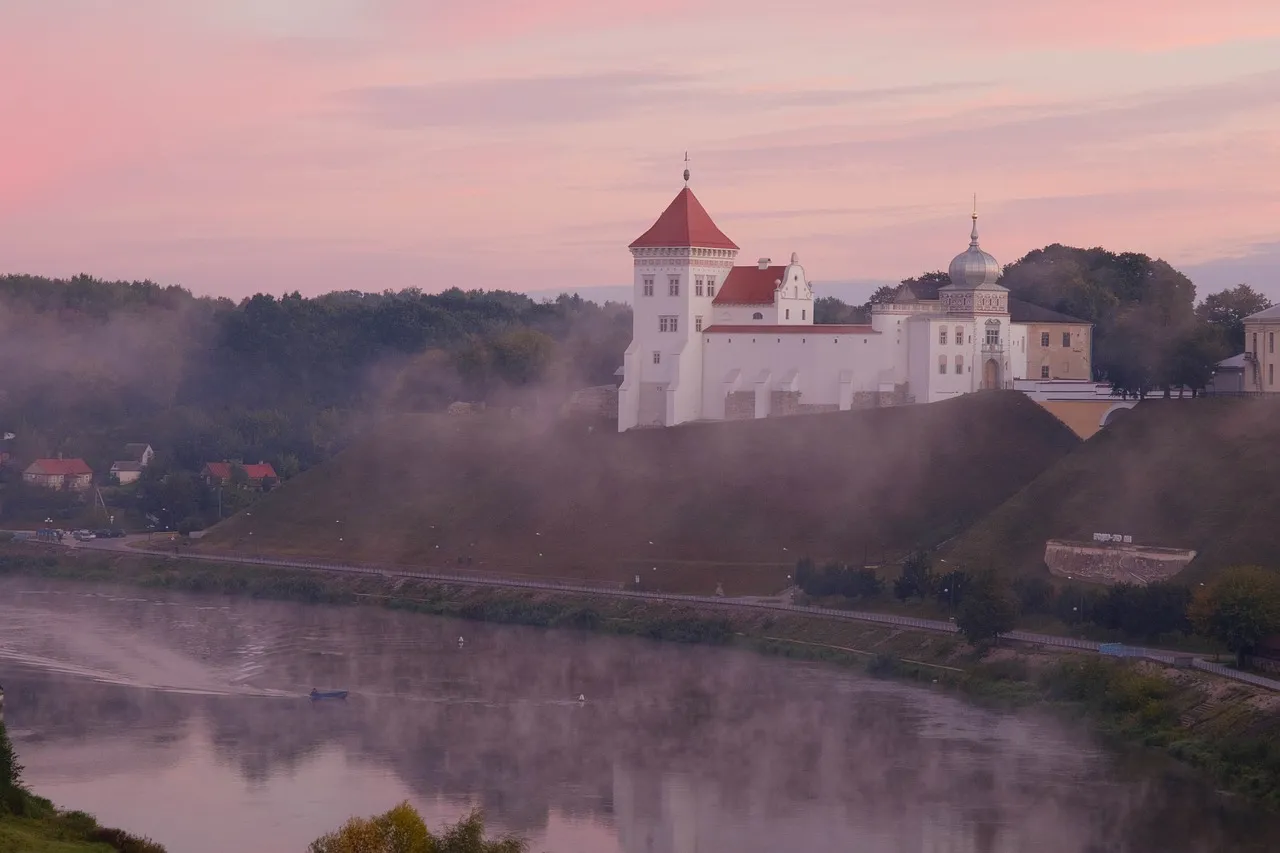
[959, 364]
[757, 316]
[942, 364]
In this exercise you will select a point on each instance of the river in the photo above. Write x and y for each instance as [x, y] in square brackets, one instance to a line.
[183, 718]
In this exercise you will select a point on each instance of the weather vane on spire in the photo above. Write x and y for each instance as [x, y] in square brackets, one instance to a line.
[973, 235]
[686, 168]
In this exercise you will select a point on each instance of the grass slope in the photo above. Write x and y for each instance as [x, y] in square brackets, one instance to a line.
[1201, 474]
[735, 503]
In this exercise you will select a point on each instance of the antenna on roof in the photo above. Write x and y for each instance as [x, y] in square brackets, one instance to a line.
[686, 168]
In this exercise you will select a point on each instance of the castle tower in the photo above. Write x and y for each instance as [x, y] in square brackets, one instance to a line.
[678, 264]
[975, 296]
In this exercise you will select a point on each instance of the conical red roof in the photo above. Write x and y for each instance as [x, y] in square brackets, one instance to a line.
[685, 222]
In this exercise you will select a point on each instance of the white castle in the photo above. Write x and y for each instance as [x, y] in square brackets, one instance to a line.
[712, 340]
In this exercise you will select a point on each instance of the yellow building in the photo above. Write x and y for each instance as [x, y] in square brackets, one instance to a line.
[1260, 331]
[1058, 346]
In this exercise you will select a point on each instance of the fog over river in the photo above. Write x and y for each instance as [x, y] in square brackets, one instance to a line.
[184, 718]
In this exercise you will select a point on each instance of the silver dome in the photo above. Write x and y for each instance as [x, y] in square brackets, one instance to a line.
[974, 268]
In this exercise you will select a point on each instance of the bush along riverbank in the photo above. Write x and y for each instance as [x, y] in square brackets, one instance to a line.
[1228, 730]
[31, 824]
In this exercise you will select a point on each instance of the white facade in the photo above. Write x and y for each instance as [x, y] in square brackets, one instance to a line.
[715, 341]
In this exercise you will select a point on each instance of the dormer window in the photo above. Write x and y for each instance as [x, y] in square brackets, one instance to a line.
[757, 316]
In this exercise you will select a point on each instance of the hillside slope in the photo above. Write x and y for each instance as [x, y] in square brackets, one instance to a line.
[727, 502]
[1201, 474]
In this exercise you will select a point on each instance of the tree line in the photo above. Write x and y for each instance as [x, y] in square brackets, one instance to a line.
[1239, 610]
[94, 364]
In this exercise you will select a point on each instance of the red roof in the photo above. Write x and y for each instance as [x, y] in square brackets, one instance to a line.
[222, 470]
[749, 286]
[685, 222]
[813, 329]
[59, 467]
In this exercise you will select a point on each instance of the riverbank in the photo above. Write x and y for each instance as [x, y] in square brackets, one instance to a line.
[31, 824]
[1228, 730]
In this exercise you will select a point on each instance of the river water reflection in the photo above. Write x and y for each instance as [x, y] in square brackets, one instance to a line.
[183, 718]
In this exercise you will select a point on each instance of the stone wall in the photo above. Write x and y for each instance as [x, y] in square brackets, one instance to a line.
[817, 408]
[740, 406]
[783, 403]
[599, 401]
[1114, 563]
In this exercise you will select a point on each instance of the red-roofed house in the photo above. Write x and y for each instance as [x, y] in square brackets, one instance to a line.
[73, 474]
[712, 340]
[219, 473]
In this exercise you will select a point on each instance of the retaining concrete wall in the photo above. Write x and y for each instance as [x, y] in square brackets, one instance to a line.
[1114, 563]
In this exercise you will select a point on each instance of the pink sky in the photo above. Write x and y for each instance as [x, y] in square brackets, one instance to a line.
[271, 145]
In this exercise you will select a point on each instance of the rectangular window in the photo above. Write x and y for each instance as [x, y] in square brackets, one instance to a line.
[1271, 374]
[1271, 341]
[673, 285]
[788, 313]
[804, 313]
[697, 324]
[668, 323]
[993, 337]
[711, 287]
[1044, 339]
[697, 286]
[942, 364]
[1255, 344]
[959, 364]
[1044, 372]
[657, 357]
[942, 336]
[1066, 339]
[648, 285]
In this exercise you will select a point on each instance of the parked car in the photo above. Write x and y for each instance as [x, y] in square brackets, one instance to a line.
[84, 535]
[104, 533]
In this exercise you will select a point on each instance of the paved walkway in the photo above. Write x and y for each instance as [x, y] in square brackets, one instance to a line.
[1159, 655]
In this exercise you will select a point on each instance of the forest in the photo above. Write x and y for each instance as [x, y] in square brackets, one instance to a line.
[92, 364]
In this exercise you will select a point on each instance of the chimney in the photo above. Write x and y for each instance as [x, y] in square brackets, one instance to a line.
[764, 263]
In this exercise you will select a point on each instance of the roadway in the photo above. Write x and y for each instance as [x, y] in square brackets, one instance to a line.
[439, 576]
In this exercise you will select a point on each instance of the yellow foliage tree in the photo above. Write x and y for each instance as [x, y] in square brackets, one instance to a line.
[402, 830]
[1240, 609]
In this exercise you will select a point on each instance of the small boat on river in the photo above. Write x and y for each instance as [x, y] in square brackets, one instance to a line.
[317, 695]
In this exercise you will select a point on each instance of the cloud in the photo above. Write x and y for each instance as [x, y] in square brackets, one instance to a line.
[592, 97]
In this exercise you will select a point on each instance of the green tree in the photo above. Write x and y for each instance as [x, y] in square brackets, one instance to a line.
[402, 830]
[522, 356]
[12, 795]
[916, 579]
[1225, 311]
[831, 310]
[1239, 610]
[989, 610]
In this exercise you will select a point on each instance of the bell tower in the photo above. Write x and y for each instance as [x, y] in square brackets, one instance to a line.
[677, 266]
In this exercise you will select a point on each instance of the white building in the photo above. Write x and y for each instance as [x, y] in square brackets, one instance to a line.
[712, 340]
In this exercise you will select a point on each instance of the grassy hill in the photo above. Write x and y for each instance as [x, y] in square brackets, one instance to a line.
[686, 508]
[1202, 474]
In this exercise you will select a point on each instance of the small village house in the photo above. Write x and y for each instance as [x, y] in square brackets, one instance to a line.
[73, 474]
[126, 471]
[219, 473]
[140, 453]
[137, 456]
